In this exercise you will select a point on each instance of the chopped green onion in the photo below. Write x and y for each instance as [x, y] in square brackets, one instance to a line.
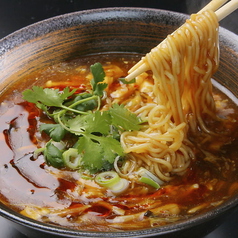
[112, 181]
[71, 158]
[149, 178]
[120, 187]
[146, 173]
[150, 182]
[107, 179]
[123, 80]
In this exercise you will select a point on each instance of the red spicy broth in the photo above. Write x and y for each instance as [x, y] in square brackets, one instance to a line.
[62, 197]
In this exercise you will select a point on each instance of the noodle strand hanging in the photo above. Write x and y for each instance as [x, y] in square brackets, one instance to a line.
[182, 67]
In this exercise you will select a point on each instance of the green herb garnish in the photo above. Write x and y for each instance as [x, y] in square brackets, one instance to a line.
[53, 155]
[123, 80]
[55, 131]
[97, 132]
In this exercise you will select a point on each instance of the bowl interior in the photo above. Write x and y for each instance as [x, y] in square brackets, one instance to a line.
[104, 30]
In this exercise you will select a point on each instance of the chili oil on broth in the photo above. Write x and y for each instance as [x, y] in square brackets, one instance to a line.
[62, 197]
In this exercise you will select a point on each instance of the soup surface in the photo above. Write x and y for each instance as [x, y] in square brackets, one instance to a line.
[71, 198]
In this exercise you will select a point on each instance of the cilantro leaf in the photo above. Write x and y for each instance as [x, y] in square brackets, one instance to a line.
[91, 153]
[47, 96]
[86, 105]
[77, 124]
[42, 107]
[98, 74]
[98, 131]
[98, 77]
[67, 93]
[55, 131]
[111, 148]
[115, 133]
[53, 156]
[98, 152]
[99, 89]
[98, 122]
[122, 118]
[93, 122]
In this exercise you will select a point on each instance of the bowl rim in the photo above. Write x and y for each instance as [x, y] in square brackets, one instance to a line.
[182, 225]
[48, 25]
[227, 38]
[55, 23]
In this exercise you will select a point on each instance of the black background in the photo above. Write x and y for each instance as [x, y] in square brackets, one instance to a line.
[15, 14]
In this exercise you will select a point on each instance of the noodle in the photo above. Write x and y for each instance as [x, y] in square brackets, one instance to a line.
[182, 68]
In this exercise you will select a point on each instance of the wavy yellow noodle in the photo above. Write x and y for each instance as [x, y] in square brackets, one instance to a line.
[181, 94]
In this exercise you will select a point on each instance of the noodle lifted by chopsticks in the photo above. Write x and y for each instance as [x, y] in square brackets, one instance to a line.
[182, 67]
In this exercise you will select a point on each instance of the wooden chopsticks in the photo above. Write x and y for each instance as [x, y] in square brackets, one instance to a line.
[221, 10]
[226, 9]
[213, 5]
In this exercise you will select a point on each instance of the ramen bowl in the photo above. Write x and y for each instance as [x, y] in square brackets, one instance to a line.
[133, 30]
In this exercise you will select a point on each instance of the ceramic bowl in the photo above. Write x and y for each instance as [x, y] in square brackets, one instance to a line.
[107, 30]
